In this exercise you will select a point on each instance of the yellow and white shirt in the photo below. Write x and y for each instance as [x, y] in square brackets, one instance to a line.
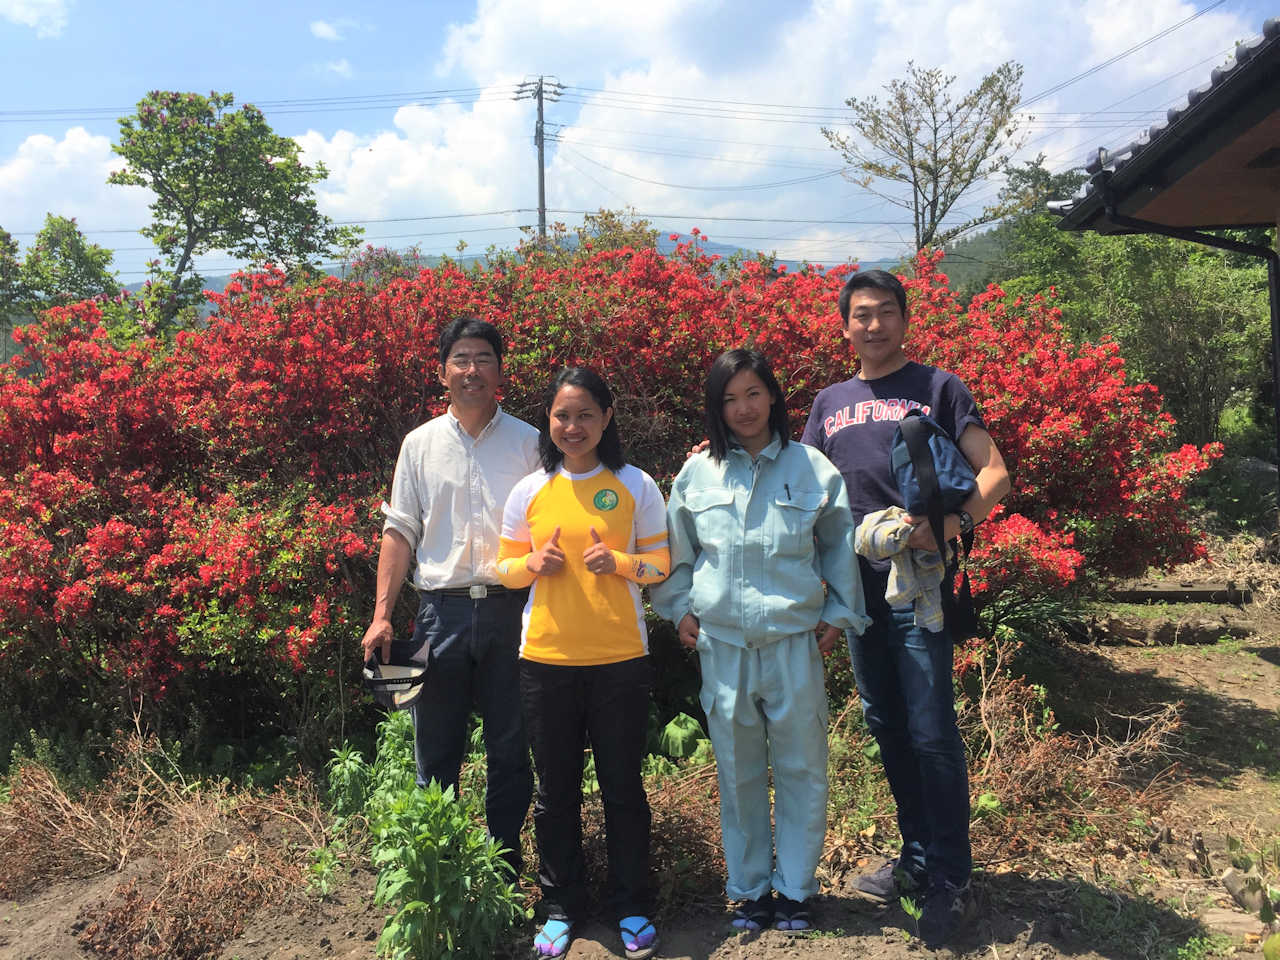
[575, 617]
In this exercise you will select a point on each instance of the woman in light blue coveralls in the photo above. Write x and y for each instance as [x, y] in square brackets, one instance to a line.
[757, 524]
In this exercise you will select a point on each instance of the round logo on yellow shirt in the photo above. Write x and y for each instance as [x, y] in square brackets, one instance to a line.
[605, 500]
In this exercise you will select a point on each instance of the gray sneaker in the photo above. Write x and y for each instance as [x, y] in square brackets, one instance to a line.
[887, 884]
[948, 908]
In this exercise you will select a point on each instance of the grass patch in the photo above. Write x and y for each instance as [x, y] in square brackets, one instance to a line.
[1155, 611]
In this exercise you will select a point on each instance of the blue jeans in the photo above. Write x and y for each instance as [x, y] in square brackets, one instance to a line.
[473, 664]
[903, 674]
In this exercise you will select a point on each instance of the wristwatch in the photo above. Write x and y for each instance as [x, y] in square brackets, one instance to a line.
[966, 522]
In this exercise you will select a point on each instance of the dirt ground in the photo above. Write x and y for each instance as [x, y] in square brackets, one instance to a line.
[1130, 903]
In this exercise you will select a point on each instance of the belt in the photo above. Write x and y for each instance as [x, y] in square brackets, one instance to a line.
[478, 591]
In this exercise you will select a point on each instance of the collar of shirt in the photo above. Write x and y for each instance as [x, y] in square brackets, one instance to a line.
[770, 451]
[462, 431]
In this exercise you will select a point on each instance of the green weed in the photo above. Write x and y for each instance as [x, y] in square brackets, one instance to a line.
[451, 889]
[914, 911]
[445, 877]
[1205, 947]
[322, 872]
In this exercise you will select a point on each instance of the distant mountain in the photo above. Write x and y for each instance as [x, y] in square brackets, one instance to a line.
[666, 245]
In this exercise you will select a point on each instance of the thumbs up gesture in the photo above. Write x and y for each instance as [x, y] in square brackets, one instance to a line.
[599, 558]
[548, 558]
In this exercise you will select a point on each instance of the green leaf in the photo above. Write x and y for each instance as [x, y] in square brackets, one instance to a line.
[679, 738]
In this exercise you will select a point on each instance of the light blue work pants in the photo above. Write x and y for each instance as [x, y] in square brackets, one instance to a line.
[768, 702]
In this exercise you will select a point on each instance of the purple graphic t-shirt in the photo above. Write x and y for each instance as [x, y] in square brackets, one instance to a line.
[853, 423]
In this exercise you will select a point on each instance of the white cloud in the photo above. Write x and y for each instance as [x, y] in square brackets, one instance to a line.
[68, 176]
[48, 17]
[341, 67]
[441, 159]
[322, 30]
[517, 36]
[617, 144]
[1114, 28]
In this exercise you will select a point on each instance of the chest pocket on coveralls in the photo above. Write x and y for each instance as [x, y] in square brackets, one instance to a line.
[714, 518]
[793, 520]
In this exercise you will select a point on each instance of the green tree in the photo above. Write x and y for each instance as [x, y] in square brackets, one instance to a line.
[10, 291]
[62, 267]
[936, 147]
[603, 230]
[223, 180]
[1185, 319]
[1188, 318]
[1025, 253]
[10, 274]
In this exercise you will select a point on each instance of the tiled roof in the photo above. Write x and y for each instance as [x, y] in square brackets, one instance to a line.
[1127, 163]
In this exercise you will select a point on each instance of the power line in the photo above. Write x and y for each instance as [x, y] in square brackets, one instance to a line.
[692, 156]
[295, 105]
[684, 186]
[1119, 56]
[720, 218]
[380, 236]
[433, 216]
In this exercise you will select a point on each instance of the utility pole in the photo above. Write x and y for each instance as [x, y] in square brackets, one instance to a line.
[539, 90]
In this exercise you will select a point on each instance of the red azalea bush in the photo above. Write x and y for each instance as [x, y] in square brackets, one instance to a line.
[182, 517]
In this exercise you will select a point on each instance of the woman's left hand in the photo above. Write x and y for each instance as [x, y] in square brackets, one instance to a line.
[827, 637]
[599, 558]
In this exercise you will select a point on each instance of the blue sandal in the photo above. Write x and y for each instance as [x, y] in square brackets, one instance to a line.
[553, 939]
[792, 915]
[639, 937]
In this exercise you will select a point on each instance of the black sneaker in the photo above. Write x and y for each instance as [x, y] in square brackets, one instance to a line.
[887, 884]
[947, 909]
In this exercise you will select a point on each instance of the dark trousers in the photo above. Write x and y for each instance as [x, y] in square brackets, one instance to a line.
[564, 708]
[474, 663]
[903, 674]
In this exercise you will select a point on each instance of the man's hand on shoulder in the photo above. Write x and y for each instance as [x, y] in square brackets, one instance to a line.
[697, 448]
[377, 638]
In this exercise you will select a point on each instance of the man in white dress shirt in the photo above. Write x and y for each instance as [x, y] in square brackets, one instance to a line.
[451, 482]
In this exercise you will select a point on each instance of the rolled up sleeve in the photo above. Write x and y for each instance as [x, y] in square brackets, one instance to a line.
[403, 513]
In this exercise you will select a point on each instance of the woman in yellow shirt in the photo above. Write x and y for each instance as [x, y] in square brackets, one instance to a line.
[584, 533]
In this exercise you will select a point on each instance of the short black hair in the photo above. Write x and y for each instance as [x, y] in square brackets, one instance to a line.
[610, 449]
[469, 327]
[727, 366]
[877, 280]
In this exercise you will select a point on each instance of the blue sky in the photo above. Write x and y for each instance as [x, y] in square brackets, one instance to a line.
[670, 107]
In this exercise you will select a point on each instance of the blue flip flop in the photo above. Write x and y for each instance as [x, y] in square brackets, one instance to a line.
[639, 937]
[553, 939]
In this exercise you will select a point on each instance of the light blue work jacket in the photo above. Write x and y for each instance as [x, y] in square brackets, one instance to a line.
[753, 542]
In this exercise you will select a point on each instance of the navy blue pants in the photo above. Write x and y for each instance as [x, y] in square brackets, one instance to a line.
[565, 708]
[474, 664]
[903, 674]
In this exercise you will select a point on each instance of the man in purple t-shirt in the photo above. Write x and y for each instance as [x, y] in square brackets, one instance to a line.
[903, 671]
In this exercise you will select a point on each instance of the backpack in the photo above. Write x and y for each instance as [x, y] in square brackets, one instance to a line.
[935, 479]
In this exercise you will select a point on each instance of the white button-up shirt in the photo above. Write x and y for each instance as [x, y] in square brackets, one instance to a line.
[448, 493]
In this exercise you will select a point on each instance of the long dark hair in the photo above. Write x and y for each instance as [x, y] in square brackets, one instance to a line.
[610, 448]
[728, 365]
